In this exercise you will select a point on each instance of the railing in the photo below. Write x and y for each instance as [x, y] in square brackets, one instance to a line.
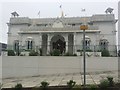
[91, 47]
[74, 49]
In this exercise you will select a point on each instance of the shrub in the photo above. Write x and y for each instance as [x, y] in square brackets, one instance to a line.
[104, 83]
[51, 53]
[105, 53]
[71, 84]
[18, 86]
[79, 50]
[119, 53]
[44, 84]
[110, 79]
[93, 87]
[74, 54]
[11, 53]
[1, 86]
[55, 52]
[33, 53]
[77, 86]
[89, 50]
[68, 54]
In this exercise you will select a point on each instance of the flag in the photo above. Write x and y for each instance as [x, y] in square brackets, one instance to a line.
[39, 13]
[60, 6]
[62, 14]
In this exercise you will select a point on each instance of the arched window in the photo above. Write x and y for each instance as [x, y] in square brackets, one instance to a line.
[29, 44]
[103, 44]
[16, 45]
[87, 43]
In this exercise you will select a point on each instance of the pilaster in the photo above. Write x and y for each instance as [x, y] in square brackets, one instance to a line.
[74, 48]
[48, 44]
[40, 40]
[66, 40]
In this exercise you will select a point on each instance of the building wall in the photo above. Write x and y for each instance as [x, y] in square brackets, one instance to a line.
[13, 34]
[119, 25]
[105, 23]
[3, 46]
[0, 69]
[92, 36]
[19, 66]
[24, 38]
[107, 31]
[108, 28]
[0, 48]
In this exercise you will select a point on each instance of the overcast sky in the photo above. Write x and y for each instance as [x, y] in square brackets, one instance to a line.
[50, 8]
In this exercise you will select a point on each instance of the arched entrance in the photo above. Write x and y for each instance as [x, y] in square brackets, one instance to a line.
[58, 42]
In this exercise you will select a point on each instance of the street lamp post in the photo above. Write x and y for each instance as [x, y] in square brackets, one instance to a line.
[84, 27]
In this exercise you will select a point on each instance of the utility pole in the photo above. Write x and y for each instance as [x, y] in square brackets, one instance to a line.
[84, 27]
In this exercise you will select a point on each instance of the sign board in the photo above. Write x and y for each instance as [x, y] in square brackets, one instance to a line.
[83, 27]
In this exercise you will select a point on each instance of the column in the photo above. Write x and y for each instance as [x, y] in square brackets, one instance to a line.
[74, 49]
[20, 42]
[48, 44]
[40, 43]
[66, 40]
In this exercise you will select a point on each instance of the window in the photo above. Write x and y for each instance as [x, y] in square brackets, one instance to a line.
[16, 45]
[29, 44]
[73, 24]
[87, 44]
[103, 44]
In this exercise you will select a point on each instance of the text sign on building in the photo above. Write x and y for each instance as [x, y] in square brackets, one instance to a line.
[83, 27]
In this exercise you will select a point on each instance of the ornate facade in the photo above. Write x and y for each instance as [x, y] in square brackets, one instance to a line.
[62, 33]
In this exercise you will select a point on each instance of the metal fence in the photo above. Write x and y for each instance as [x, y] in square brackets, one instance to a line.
[91, 47]
[113, 49]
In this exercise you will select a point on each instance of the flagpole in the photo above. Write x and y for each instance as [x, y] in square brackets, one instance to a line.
[39, 14]
[62, 14]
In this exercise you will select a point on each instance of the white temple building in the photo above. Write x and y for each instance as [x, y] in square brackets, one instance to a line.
[63, 33]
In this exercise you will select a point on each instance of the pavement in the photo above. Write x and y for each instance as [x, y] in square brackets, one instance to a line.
[59, 79]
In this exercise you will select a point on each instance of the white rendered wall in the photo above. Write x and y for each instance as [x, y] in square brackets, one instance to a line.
[92, 36]
[20, 66]
[35, 38]
[13, 33]
[107, 31]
